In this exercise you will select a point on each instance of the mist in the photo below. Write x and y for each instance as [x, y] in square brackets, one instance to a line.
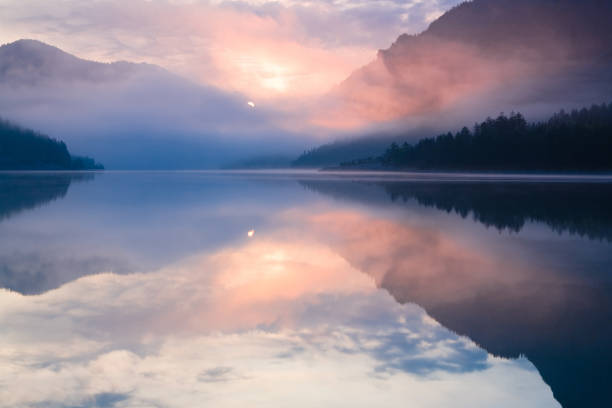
[479, 59]
[134, 116]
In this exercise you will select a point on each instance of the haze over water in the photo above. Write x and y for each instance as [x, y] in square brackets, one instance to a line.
[146, 289]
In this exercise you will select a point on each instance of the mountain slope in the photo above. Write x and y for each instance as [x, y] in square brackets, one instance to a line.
[490, 55]
[31, 62]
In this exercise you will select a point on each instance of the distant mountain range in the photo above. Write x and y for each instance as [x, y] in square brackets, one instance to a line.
[26, 63]
[334, 153]
[129, 115]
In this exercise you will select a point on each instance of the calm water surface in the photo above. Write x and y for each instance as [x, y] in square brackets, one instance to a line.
[354, 290]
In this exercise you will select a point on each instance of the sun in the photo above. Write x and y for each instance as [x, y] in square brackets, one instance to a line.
[274, 76]
[276, 83]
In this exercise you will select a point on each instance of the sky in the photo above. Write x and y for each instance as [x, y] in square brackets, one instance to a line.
[245, 79]
[262, 49]
[255, 76]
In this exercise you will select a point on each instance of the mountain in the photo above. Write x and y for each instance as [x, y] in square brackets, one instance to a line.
[25, 63]
[131, 115]
[487, 56]
[24, 149]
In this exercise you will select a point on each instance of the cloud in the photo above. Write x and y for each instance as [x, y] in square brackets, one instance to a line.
[262, 322]
[280, 317]
[261, 49]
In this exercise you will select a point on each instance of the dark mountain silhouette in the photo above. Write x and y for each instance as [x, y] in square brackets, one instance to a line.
[25, 149]
[558, 319]
[490, 54]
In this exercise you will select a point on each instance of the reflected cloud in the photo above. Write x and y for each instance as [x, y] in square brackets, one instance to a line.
[32, 273]
[217, 374]
[265, 322]
[120, 223]
[321, 307]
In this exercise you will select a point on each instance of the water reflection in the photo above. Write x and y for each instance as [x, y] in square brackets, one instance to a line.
[576, 208]
[24, 191]
[259, 323]
[146, 289]
[548, 299]
[124, 223]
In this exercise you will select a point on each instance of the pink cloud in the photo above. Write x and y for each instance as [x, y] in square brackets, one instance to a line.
[256, 48]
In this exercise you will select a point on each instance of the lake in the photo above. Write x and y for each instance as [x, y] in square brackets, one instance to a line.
[304, 289]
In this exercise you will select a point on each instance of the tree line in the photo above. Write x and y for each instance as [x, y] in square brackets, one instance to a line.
[580, 140]
[25, 149]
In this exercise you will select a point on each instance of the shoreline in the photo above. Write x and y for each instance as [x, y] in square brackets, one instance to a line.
[353, 174]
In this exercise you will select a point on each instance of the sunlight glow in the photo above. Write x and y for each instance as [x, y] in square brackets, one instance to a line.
[272, 75]
[251, 233]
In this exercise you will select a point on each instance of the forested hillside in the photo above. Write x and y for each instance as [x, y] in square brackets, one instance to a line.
[25, 149]
[580, 140]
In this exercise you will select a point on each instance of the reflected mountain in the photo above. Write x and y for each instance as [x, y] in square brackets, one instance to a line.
[570, 347]
[581, 209]
[28, 273]
[546, 303]
[25, 191]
